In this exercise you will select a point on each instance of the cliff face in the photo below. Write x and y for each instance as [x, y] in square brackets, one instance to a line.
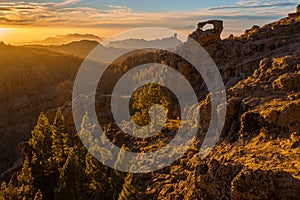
[258, 156]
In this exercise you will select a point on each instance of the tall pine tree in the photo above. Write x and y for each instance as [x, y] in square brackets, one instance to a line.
[41, 142]
[72, 183]
[26, 188]
[60, 140]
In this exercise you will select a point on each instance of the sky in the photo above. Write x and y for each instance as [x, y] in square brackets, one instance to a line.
[35, 20]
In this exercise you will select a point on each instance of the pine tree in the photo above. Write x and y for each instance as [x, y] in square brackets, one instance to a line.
[85, 133]
[117, 176]
[60, 140]
[8, 191]
[144, 99]
[41, 142]
[155, 97]
[26, 188]
[44, 171]
[5, 192]
[72, 180]
[38, 195]
[37, 170]
[99, 178]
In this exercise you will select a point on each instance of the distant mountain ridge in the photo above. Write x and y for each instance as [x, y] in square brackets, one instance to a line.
[170, 42]
[65, 39]
[83, 47]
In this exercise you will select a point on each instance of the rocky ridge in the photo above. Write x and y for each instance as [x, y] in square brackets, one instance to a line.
[259, 150]
[258, 154]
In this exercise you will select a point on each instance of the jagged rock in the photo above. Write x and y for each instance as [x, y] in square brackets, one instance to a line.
[251, 124]
[25, 150]
[211, 184]
[12, 171]
[288, 82]
[205, 37]
[251, 184]
[296, 14]
[230, 127]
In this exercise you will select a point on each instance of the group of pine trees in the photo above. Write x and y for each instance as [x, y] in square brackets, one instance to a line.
[60, 167]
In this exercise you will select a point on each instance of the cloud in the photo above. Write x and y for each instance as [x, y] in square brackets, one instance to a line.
[55, 14]
[117, 7]
[4, 9]
[254, 4]
[188, 27]
[62, 14]
[66, 3]
[49, 14]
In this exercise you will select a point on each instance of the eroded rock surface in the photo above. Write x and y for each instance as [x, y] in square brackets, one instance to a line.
[205, 37]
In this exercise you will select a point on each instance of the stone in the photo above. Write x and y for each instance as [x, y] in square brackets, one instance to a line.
[287, 82]
[296, 14]
[205, 37]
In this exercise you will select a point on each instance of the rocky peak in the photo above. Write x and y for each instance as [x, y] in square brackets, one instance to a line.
[296, 14]
[205, 37]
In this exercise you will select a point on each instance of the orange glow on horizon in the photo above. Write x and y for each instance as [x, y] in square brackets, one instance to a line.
[22, 35]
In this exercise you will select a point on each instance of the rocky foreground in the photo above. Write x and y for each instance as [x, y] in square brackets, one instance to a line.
[259, 154]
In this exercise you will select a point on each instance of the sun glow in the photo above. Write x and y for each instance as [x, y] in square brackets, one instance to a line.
[4, 32]
[23, 35]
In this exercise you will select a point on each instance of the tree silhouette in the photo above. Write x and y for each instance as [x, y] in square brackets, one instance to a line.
[38, 195]
[26, 188]
[60, 140]
[72, 183]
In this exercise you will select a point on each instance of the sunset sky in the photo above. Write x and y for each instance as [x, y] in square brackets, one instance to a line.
[37, 19]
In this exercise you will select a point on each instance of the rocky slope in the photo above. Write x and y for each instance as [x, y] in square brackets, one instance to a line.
[258, 155]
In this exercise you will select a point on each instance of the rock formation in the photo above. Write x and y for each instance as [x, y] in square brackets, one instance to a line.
[258, 155]
[205, 37]
[296, 14]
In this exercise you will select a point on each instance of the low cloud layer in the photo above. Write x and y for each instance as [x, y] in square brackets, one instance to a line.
[255, 4]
